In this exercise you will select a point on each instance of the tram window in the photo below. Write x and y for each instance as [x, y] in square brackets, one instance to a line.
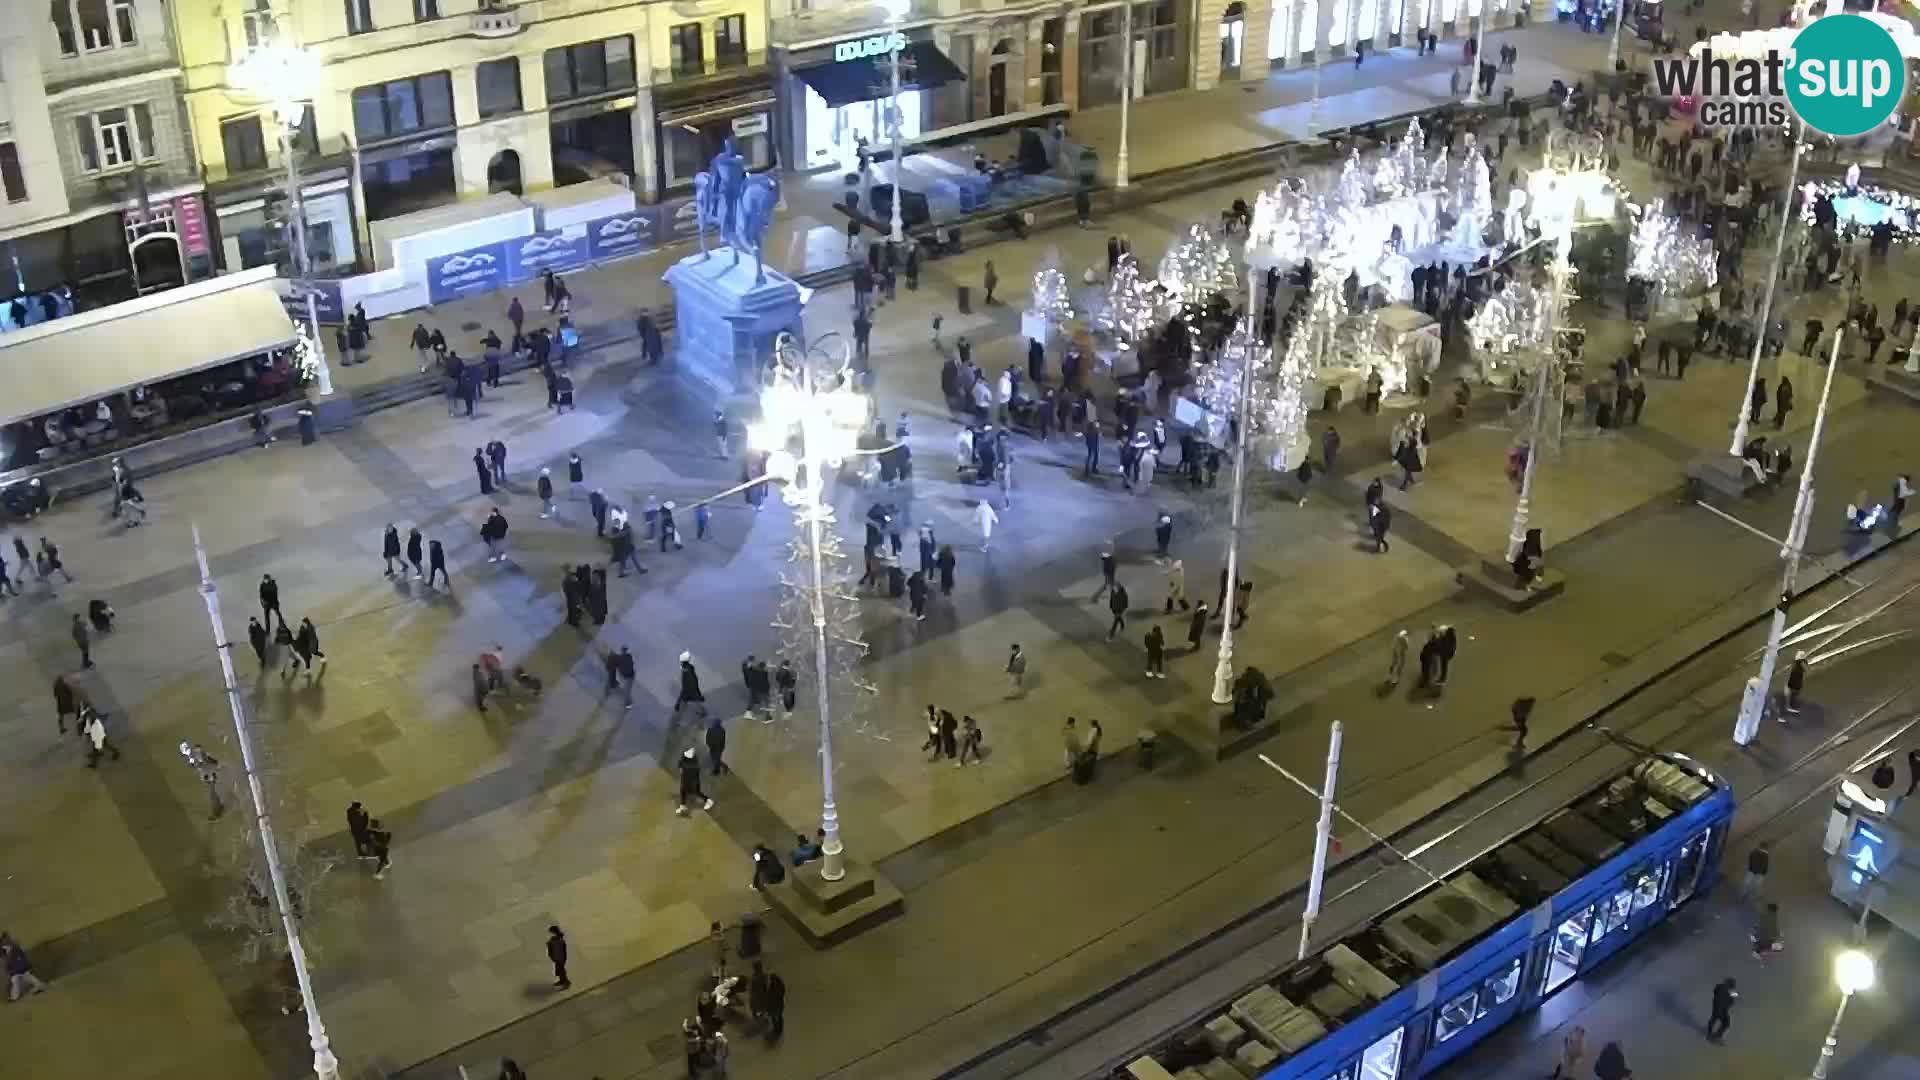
[1350, 1072]
[1646, 890]
[1615, 912]
[1455, 1016]
[1569, 945]
[1686, 869]
[1382, 1059]
[1499, 988]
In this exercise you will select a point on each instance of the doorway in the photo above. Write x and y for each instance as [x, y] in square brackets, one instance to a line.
[997, 77]
[1233, 33]
[156, 263]
[503, 173]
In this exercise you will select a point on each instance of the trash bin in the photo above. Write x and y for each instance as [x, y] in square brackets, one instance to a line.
[307, 432]
[963, 299]
[1148, 744]
[749, 936]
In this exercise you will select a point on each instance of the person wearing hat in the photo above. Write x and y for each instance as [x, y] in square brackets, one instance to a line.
[667, 530]
[689, 686]
[546, 492]
[1796, 678]
[690, 783]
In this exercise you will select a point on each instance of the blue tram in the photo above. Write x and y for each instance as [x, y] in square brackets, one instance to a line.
[1420, 985]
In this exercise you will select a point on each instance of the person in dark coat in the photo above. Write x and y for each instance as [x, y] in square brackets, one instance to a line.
[1156, 653]
[1782, 403]
[1611, 1064]
[67, 703]
[485, 473]
[597, 502]
[557, 954]
[390, 547]
[917, 595]
[270, 600]
[717, 747]
[544, 488]
[414, 552]
[689, 686]
[1197, 626]
[1449, 643]
[690, 791]
[1117, 604]
[437, 564]
[258, 637]
[944, 563]
[598, 586]
[570, 590]
[1379, 520]
[306, 644]
[1720, 1017]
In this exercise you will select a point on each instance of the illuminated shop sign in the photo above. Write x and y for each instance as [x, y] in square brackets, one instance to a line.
[877, 45]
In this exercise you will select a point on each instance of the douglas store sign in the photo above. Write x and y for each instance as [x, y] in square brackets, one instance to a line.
[877, 45]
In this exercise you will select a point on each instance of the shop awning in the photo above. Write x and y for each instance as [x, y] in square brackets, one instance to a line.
[922, 67]
[85, 357]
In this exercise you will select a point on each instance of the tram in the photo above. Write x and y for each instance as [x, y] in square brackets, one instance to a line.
[1421, 984]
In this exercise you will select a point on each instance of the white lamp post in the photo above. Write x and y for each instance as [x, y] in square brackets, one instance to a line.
[1747, 724]
[896, 10]
[1613, 45]
[1852, 972]
[287, 75]
[1248, 348]
[1766, 299]
[810, 402]
[1479, 54]
[1126, 91]
[325, 1067]
[1558, 272]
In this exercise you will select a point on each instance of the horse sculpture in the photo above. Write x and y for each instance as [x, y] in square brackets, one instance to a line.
[757, 203]
[742, 222]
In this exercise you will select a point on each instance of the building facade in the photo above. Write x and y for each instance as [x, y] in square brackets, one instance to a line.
[1297, 30]
[426, 102]
[103, 193]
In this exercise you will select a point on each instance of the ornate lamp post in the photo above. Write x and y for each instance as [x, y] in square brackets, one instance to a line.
[287, 76]
[1852, 972]
[896, 10]
[810, 420]
[1126, 91]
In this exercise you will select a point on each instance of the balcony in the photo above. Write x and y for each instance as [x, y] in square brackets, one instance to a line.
[496, 19]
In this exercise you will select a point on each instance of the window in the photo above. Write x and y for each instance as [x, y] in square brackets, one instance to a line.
[730, 41]
[686, 49]
[426, 10]
[1349, 1072]
[1569, 945]
[1382, 1059]
[497, 84]
[115, 138]
[257, 24]
[91, 25]
[593, 67]
[1455, 1016]
[123, 21]
[359, 16]
[1499, 988]
[403, 106]
[10, 178]
[246, 147]
[1052, 38]
[1646, 887]
[1613, 914]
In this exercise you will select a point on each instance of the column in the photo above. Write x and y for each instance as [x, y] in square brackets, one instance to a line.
[1253, 56]
[646, 147]
[1070, 61]
[1031, 94]
[1206, 43]
[471, 148]
[536, 143]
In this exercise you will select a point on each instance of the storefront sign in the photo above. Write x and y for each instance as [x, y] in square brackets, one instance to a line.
[755, 124]
[464, 273]
[190, 217]
[623, 234]
[560, 249]
[877, 45]
[679, 220]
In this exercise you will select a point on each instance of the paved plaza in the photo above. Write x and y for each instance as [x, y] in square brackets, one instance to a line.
[1024, 891]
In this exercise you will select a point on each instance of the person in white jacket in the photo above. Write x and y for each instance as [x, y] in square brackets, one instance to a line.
[985, 519]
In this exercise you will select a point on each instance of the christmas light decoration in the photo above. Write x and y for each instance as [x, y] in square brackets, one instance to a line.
[1669, 255]
[1132, 308]
[1197, 268]
[1050, 298]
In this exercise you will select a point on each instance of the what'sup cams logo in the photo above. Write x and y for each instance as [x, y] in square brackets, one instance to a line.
[1842, 75]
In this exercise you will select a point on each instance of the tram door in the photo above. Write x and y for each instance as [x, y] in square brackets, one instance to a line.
[1687, 867]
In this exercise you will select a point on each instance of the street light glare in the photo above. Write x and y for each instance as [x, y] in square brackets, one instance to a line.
[1853, 970]
[286, 75]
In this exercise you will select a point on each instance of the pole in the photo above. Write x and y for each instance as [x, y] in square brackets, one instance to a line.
[1752, 706]
[1766, 301]
[1313, 108]
[1517, 535]
[832, 868]
[1833, 1039]
[1479, 53]
[1322, 833]
[1613, 46]
[325, 1067]
[297, 244]
[899, 163]
[1223, 665]
[1126, 92]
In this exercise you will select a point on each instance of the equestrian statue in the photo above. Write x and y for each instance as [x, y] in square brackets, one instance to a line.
[738, 205]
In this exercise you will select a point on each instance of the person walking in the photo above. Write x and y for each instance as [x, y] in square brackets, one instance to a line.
[1782, 403]
[50, 557]
[1108, 568]
[21, 979]
[598, 506]
[776, 1006]
[494, 532]
[1755, 883]
[1379, 521]
[1796, 681]
[989, 281]
[1177, 586]
[625, 551]
[306, 645]
[414, 552]
[1016, 672]
[483, 471]
[1397, 659]
[689, 687]
[84, 639]
[1117, 604]
[437, 565]
[1766, 932]
[1522, 712]
[1156, 653]
[94, 727]
[390, 547]
[984, 519]
[270, 600]
[944, 562]
[917, 595]
[1573, 1051]
[717, 746]
[1070, 743]
[1720, 1017]
[557, 956]
[1162, 535]
[1197, 627]
[66, 702]
[545, 489]
[690, 783]
[1756, 401]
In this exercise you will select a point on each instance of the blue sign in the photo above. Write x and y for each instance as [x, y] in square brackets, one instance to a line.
[1867, 852]
[560, 249]
[328, 306]
[623, 234]
[464, 273]
[679, 220]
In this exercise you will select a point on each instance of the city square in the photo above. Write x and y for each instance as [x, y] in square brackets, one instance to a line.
[1016, 901]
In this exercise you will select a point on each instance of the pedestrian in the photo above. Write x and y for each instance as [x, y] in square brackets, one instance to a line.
[511, 1070]
[1397, 659]
[989, 281]
[93, 726]
[208, 768]
[1197, 627]
[306, 645]
[1721, 1016]
[1448, 642]
[1329, 448]
[1522, 710]
[1156, 653]
[66, 702]
[776, 1006]
[21, 979]
[557, 955]
[390, 547]
[357, 823]
[717, 746]
[1757, 400]
[84, 639]
[437, 565]
[949, 737]
[49, 561]
[414, 551]
[669, 532]
[690, 783]
[545, 489]
[1117, 604]
[1755, 882]
[1611, 1064]
[1782, 403]
[689, 687]
[7, 587]
[1016, 672]
[932, 746]
[786, 682]
[1379, 520]
[720, 433]
[494, 532]
[1163, 535]
[380, 844]
[483, 471]
[1796, 681]
[1766, 932]
[1070, 743]
[1573, 1050]
[984, 519]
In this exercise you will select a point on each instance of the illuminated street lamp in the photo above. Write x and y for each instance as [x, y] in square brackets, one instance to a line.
[1852, 972]
[896, 11]
[811, 419]
[288, 76]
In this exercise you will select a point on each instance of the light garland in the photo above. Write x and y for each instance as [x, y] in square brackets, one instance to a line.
[1851, 205]
[1051, 299]
[1666, 253]
[1131, 308]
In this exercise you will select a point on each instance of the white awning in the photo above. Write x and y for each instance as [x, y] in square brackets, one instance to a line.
[85, 357]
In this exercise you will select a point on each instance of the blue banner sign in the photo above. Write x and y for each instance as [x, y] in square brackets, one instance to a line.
[464, 273]
[328, 306]
[560, 249]
[624, 234]
[679, 220]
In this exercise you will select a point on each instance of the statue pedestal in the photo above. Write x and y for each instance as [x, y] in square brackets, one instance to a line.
[725, 322]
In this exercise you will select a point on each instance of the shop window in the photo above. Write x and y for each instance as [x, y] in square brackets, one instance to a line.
[497, 85]
[686, 49]
[426, 10]
[1646, 888]
[403, 106]
[1498, 989]
[1455, 1016]
[1382, 1059]
[359, 16]
[1309, 23]
[246, 146]
[1569, 945]
[1053, 34]
[589, 68]
[114, 138]
[730, 41]
[11, 179]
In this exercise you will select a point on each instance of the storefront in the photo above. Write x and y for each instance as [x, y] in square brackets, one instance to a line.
[1160, 29]
[836, 96]
[695, 119]
[251, 226]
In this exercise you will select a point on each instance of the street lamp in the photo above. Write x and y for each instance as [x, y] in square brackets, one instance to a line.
[1126, 90]
[1558, 272]
[325, 1066]
[1852, 972]
[1766, 297]
[287, 76]
[1479, 54]
[1613, 44]
[896, 11]
[810, 421]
